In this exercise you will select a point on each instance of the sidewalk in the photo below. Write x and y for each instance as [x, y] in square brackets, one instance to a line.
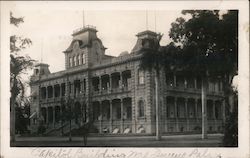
[194, 140]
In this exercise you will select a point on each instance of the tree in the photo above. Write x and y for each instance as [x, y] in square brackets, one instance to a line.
[211, 53]
[68, 114]
[22, 116]
[19, 64]
[62, 115]
[230, 138]
[156, 59]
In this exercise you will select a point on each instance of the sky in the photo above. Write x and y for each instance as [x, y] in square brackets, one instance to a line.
[50, 29]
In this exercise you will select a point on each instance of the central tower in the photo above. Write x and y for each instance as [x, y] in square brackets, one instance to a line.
[85, 49]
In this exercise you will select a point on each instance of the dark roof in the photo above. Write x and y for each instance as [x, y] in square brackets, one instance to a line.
[81, 44]
[138, 45]
[41, 64]
[148, 32]
[84, 29]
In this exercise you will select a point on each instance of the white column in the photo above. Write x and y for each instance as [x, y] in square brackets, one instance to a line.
[100, 84]
[53, 89]
[204, 108]
[100, 117]
[54, 111]
[47, 94]
[195, 82]
[111, 117]
[121, 80]
[66, 88]
[174, 80]
[167, 116]
[185, 82]
[60, 86]
[214, 109]
[196, 109]
[81, 86]
[122, 120]
[73, 88]
[223, 111]
[110, 82]
[186, 113]
[47, 115]
[176, 117]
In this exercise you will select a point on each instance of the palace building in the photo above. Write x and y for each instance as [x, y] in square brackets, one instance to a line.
[116, 94]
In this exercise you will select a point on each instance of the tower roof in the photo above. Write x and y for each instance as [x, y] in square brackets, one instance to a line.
[147, 34]
[84, 36]
[41, 64]
[84, 29]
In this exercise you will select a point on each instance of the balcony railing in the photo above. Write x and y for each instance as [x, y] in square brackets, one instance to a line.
[194, 90]
[112, 90]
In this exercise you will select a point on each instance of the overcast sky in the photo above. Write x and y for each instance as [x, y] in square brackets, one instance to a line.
[50, 29]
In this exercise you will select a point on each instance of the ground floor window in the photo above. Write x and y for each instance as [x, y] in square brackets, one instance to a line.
[141, 108]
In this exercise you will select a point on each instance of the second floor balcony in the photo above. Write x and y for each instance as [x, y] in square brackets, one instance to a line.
[192, 84]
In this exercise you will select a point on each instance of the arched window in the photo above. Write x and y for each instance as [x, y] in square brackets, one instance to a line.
[83, 59]
[141, 108]
[70, 62]
[141, 77]
[74, 60]
[78, 60]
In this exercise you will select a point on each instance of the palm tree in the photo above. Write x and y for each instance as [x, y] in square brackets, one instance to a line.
[156, 59]
[18, 65]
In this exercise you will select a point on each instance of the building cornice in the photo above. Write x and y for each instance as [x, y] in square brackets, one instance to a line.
[80, 69]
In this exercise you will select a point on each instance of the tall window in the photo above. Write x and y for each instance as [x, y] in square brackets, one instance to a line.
[129, 115]
[141, 108]
[190, 82]
[170, 79]
[78, 60]
[70, 62]
[43, 90]
[70, 90]
[216, 86]
[180, 109]
[118, 112]
[50, 91]
[141, 77]
[198, 82]
[74, 60]
[83, 59]
[63, 89]
[180, 82]
[211, 86]
[84, 85]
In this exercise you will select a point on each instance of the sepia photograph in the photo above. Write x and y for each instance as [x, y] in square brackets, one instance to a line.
[86, 76]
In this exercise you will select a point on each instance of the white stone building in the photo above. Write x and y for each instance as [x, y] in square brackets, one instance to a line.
[116, 94]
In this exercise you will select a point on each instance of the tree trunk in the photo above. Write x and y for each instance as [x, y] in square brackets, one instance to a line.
[157, 111]
[12, 112]
[70, 137]
[62, 127]
[12, 121]
[204, 107]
